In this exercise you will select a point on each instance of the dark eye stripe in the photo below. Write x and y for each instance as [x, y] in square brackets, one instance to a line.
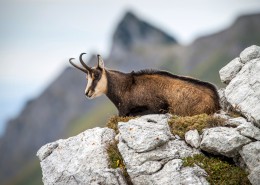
[95, 80]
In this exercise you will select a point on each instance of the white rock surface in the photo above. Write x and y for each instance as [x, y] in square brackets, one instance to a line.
[222, 100]
[80, 160]
[173, 173]
[243, 92]
[162, 164]
[250, 53]
[249, 130]
[192, 137]
[223, 140]
[251, 155]
[254, 176]
[145, 133]
[236, 121]
[228, 72]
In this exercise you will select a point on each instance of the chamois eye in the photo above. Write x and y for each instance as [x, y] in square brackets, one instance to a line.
[96, 75]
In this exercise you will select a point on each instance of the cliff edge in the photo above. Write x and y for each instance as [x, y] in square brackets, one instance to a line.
[167, 149]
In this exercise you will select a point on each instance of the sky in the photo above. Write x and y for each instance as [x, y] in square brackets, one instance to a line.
[37, 37]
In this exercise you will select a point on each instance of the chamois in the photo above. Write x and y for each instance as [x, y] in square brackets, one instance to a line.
[149, 91]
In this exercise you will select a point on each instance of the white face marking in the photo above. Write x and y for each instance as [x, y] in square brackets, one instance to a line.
[100, 88]
[90, 80]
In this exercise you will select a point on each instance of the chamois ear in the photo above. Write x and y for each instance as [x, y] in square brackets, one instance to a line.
[100, 62]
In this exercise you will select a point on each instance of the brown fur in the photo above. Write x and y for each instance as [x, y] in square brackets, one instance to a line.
[149, 92]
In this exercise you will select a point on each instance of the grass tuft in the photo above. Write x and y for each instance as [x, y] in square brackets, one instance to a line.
[116, 161]
[219, 172]
[113, 122]
[180, 125]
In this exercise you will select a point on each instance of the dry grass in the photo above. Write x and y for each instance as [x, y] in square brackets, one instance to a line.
[180, 125]
[116, 161]
[113, 122]
[219, 172]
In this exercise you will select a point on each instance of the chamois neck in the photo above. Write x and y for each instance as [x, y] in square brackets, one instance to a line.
[117, 85]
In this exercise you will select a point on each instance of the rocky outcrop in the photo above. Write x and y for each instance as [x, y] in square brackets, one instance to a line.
[243, 78]
[242, 95]
[161, 162]
[152, 154]
[82, 159]
[223, 140]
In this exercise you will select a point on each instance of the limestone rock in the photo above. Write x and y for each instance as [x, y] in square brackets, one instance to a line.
[228, 72]
[251, 155]
[81, 159]
[192, 137]
[173, 173]
[222, 140]
[254, 176]
[145, 133]
[249, 130]
[161, 163]
[243, 92]
[250, 53]
[222, 100]
[234, 122]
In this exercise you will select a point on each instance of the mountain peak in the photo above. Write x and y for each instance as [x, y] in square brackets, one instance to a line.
[132, 31]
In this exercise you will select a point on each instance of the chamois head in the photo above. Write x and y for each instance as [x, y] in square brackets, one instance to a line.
[96, 77]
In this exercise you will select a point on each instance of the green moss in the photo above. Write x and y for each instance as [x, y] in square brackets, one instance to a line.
[113, 122]
[116, 160]
[180, 125]
[219, 172]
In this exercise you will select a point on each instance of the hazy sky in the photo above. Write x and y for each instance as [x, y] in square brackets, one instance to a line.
[38, 36]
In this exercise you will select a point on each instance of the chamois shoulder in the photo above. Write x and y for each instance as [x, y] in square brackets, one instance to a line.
[168, 74]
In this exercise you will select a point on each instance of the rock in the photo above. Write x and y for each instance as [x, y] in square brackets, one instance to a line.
[223, 140]
[222, 114]
[192, 137]
[243, 92]
[251, 155]
[82, 159]
[254, 176]
[234, 122]
[161, 163]
[228, 72]
[145, 133]
[249, 130]
[135, 161]
[46, 150]
[222, 101]
[250, 53]
[173, 173]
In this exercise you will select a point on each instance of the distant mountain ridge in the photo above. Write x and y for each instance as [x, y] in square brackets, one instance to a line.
[136, 45]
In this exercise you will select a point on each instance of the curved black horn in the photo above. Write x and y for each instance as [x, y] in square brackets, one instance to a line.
[78, 67]
[81, 61]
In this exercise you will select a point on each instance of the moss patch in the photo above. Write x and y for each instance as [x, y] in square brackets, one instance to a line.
[116, 161]
[113, 122]
[220, 172]
[180, 125]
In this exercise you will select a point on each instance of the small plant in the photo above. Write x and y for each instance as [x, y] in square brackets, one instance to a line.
[113, 122]
[180, 125]
[116, 161]
[219, 172]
